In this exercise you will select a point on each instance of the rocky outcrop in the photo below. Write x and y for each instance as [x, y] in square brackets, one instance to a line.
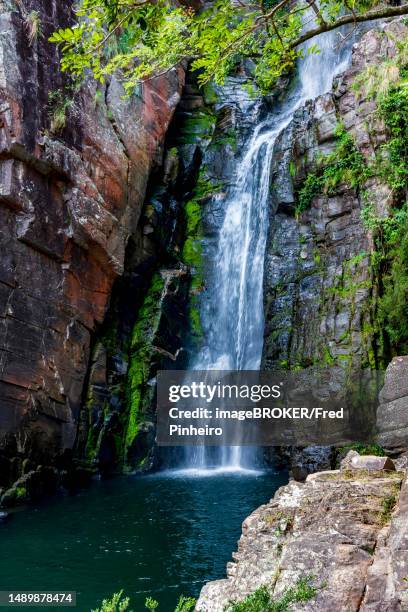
[74, 167]
[343, 530]
[392, 413]
[320, 290]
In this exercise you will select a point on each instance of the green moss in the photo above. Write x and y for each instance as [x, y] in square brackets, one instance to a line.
[328, 358]
[21, 493]
[192, 253]
[344, 165]
[228, 138]
[140, 357]
[92, 442]
[198, 125]
[317, 258]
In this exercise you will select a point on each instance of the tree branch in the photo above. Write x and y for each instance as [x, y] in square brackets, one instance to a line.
[390, 11]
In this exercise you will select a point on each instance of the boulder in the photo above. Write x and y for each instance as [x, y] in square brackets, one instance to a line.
[396, 380]
[372, 463]
[392, 413]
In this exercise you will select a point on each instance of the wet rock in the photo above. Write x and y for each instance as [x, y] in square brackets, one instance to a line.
[396, 380]
[305, 461]
[33, 485]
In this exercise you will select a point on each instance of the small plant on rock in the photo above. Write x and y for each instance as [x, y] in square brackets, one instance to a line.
[261, 600]
[116, 603]
[33, 26]
[59, 103]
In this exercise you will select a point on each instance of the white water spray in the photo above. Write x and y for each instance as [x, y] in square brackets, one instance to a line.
[233, 317]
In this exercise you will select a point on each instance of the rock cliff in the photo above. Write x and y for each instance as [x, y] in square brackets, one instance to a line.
[104, 231]
[392, 413]
[320, 289]
[342, 531]
[74, 164]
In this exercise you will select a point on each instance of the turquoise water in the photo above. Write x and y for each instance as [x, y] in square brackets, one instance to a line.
[159, 535]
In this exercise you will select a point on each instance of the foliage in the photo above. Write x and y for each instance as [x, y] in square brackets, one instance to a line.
[151, 604]
[144, 38]
[393, 307]
[185, 604]
[261, 601]
[387, 506]
[344, 165]
[362, 449]
[390, 258]
[393, 108]
[256, 602]
[60, 102]
[115, 604]
[33, 26]
[119, 604]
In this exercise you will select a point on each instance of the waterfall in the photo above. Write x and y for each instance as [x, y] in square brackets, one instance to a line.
[233, 313]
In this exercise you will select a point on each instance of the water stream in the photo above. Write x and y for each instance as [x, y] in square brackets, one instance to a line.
[233, 312]
[167, 534]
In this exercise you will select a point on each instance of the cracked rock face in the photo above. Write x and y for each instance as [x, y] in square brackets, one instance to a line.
[338, 527]
[70, 196]
[392, 413]
[319, 291]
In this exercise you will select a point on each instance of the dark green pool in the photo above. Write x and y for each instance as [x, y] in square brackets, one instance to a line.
[158, 535]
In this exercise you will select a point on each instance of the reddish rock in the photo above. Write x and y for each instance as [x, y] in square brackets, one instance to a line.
[68, 203]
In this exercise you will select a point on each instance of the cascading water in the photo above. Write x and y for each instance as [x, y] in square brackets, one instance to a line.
[232, 313]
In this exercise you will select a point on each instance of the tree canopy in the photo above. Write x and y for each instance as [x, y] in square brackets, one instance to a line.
[145, 38]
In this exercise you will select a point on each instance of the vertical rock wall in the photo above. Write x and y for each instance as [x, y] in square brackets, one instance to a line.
[320, 291]
[74, 165]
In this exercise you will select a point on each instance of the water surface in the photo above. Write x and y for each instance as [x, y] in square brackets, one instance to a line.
[160, 535]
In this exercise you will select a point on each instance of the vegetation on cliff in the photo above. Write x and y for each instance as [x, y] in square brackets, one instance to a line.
[119, 603]
[386, 83]
[262, 601]
[192, 249]
[345, 164]
[140, 356]
[146, 38]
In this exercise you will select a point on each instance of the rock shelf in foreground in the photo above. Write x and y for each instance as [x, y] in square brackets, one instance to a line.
[345, 529]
